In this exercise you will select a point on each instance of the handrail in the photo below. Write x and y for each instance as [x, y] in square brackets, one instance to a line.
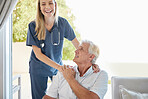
[18, 86]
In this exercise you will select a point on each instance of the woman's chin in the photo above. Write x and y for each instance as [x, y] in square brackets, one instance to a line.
[48, 15]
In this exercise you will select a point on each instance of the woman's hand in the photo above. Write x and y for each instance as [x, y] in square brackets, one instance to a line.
[96, 68]
[60, 68]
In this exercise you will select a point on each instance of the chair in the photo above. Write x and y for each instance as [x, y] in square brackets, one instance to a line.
[138, 84]
[18, 86]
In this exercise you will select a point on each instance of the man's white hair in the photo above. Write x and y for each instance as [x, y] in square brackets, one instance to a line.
[93, 49]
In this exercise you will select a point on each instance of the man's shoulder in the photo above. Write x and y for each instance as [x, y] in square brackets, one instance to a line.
[101, 73]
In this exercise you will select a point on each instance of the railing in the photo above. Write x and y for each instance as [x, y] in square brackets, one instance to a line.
[17, 87]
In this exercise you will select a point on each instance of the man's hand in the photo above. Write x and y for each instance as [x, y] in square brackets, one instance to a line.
[68, 73]
[96, 68]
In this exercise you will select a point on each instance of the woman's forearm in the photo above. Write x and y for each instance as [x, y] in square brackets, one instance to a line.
[45, 59]
[48, 61]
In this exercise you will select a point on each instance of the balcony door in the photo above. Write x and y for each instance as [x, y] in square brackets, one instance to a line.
[6, 8]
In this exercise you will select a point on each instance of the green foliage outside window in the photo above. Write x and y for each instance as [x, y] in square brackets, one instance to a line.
[25, 12]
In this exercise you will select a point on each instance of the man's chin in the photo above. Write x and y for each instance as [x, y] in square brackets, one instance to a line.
[74, 60]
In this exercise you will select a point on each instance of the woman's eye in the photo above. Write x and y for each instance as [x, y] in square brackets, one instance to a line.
[43, 4]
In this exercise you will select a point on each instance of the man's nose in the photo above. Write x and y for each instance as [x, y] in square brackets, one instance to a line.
[76, 51]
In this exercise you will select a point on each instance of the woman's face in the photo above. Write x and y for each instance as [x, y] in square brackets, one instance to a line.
[48, 7]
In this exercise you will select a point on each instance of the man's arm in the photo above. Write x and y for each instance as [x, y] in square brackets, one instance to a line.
[75, 42]
[47, 97]
[52, 92]
[79, 90]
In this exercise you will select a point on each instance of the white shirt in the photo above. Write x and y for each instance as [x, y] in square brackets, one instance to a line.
[95, 82]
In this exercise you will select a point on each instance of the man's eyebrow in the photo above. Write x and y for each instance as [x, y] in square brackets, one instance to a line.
[82, 47]
[43, 2]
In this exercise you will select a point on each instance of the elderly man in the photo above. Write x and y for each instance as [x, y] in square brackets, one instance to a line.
[80, 82]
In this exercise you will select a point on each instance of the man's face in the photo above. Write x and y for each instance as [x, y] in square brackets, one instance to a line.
[81, 54]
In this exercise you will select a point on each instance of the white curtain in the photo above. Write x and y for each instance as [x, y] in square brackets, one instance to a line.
[6, 8]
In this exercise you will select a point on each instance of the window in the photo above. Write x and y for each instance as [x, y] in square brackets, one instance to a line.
[6, 60]
[120, 30]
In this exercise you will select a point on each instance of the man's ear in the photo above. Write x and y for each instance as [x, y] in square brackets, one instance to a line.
[92, 56]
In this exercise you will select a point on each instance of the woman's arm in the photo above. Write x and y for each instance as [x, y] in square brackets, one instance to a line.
[44, 58]
[47, 60]
[75, 42]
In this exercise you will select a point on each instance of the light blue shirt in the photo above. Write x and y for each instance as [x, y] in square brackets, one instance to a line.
[95, 82]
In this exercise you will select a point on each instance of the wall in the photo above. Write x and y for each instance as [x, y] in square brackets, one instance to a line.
[127, 69]
[21, 55]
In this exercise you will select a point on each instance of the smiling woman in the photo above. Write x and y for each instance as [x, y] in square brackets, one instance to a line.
[46, 57]
[46, 13]
[24, 14]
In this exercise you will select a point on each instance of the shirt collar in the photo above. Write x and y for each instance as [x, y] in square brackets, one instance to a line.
[55, 26]
[89, 71]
